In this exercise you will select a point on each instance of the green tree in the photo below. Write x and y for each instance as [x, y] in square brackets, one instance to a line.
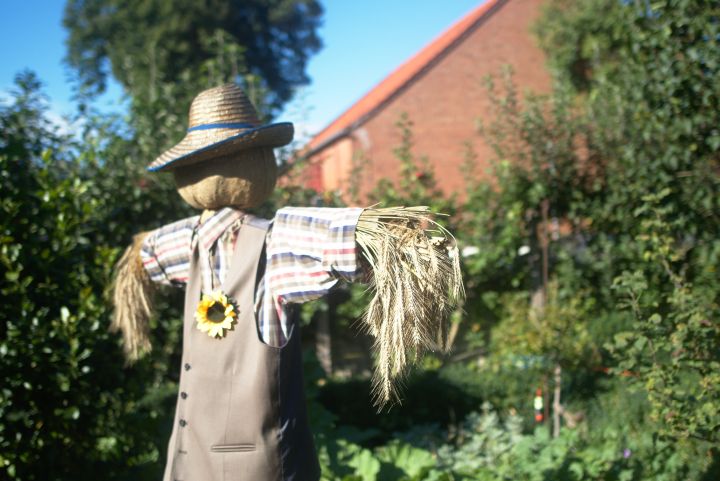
[641, 119]
[654, 106]
[146, 44]
[674, 345]
[68, 209]
[176, 50]
[54, 394]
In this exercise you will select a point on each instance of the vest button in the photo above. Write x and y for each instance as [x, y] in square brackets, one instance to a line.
[183, 423]
[187, 366]
[183, 395]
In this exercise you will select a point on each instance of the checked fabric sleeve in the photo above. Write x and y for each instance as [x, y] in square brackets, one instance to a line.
[308, 250]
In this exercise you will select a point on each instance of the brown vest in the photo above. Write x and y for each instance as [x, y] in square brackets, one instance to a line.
[240, 413]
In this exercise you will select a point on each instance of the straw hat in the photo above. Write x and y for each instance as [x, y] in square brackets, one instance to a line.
[222, 122]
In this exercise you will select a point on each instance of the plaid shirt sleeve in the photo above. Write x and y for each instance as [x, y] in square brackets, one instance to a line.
[308, 251]
[166, 252]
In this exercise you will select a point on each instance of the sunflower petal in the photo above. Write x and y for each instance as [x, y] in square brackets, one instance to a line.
[205, 324]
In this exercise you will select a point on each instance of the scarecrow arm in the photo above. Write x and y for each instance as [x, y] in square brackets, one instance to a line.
[161, 256]
[415, 282]
[132, 299]
[309, 250]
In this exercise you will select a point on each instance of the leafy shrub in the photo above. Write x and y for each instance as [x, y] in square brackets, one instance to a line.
[429, 396]
[68, 406]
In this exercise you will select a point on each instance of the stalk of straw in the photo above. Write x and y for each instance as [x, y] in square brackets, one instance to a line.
[416, 283]
[133, 300]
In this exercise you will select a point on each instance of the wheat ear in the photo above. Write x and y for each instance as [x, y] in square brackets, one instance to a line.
[133, 300]
[416, 283]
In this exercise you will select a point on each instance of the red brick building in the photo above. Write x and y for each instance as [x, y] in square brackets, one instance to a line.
[441, 91]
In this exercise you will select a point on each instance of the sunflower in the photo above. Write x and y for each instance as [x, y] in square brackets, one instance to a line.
[215, 314]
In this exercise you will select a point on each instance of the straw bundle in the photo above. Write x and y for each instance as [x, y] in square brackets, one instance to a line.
[416, 283]
[132, 297]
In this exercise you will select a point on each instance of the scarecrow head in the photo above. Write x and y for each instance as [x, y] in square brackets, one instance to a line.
[226, 158]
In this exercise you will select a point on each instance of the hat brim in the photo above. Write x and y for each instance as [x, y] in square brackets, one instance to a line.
[187, 152]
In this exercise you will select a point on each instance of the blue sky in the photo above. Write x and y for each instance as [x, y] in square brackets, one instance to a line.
[364, 42]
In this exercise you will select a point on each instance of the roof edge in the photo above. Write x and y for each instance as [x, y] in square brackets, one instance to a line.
[474, 19]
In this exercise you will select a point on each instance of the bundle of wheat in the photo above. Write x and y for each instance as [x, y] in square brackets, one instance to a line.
[132, 296]
[416, 284]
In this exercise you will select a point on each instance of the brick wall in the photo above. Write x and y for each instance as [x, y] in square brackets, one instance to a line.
[446, 100]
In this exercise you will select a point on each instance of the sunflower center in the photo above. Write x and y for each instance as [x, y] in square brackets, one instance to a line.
[216, 312]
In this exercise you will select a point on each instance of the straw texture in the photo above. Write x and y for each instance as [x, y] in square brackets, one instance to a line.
[243, 180]
[222, 121]
[416, 284]
[132, 298]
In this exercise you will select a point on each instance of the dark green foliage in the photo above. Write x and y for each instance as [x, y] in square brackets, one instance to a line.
[629, 172]
[69, 407]
[428, 397]
[164, 53]
[654, 115]
[146, 44]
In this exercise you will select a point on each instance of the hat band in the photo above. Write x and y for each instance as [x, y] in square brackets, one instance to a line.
[232, 125]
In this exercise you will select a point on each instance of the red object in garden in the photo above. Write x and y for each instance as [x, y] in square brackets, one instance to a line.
[538, 405]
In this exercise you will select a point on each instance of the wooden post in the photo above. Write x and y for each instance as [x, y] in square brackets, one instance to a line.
[557, 407]
[544, 243]
[323, 338]
[544, 235]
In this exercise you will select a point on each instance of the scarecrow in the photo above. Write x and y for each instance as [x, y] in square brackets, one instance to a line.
[241, 410]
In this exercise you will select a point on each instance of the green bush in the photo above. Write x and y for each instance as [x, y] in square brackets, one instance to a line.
[486, 448]
[69, 407]
[429, 397]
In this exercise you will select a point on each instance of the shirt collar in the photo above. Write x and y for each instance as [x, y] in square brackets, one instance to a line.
[210, 231]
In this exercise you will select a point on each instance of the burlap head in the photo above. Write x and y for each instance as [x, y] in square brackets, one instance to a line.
[242, 180]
